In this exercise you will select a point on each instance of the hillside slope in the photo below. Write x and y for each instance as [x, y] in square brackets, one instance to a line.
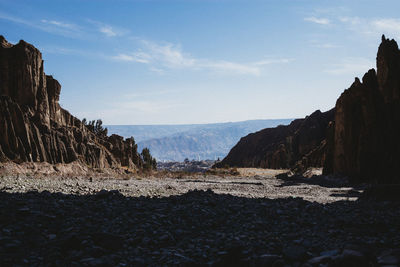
[283, 146]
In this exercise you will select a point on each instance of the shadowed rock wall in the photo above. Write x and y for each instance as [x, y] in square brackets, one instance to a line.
[283, 146]
[365, 143]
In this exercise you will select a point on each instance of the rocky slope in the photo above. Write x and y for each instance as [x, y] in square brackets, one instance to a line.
[364, 142]
[283, 146]
[33, 126]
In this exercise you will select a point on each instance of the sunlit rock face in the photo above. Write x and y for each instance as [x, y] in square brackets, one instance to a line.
[365, 143]
[33, 126]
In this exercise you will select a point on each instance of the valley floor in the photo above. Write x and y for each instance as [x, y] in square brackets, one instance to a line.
[253, 219]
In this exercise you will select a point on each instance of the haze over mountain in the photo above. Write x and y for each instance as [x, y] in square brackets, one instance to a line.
[192, 141]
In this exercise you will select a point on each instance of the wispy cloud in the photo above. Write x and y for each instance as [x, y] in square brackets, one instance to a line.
[139, 57]
[230, 67]
[14, 19]
[50, 26]
[389, 26]
[67, 29]
[169, 56]
[60, 24]
[159, 57]
[355, 66]
[108, 30]
[321, 21]
[373, 27]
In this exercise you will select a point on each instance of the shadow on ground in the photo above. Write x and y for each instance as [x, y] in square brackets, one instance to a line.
[321, 180]
[197, 228]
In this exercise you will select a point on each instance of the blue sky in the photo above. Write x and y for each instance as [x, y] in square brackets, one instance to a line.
[167, 62]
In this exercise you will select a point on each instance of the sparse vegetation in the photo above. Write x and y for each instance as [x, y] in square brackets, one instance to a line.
[136, 159]
[149, 163]
[96, 126]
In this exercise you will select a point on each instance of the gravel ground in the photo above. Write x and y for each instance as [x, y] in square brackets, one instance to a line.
[262, 185]
[250, 220]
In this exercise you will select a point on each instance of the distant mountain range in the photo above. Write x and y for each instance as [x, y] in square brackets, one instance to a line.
[192, 141]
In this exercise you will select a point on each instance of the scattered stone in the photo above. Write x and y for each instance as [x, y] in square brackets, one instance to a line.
[350, 258]
[295, 253]
[317, 261]
[267, 259]
[330, 253]
[388, 260]
[59, 222]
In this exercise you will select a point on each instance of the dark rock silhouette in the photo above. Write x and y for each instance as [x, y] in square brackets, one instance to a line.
[33, 126]
[359, 138]
[364, 142]
[283, 146]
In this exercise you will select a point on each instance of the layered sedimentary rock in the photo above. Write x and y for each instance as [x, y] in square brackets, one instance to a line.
[364, 143]
[33, 126]
[283, 146]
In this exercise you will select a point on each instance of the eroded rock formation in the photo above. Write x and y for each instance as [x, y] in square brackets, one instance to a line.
[33, 126]
[365, 142]
[283, 146]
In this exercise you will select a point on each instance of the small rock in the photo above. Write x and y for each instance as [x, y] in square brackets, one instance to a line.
[330, 253]
[295, 252]
[316, 261]
[108, 241]
[388, 260]
[267, 259]
[350, 258]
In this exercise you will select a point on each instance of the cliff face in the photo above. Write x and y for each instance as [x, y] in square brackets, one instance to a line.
[33, 126]
[283, 146]
[364, 143]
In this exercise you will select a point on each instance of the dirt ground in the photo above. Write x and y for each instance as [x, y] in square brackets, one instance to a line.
[250, 183]
[69, 215]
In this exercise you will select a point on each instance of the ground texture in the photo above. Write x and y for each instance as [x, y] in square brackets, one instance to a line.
[253, 219]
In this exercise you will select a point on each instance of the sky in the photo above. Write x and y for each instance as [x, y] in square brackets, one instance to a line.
[201, 61]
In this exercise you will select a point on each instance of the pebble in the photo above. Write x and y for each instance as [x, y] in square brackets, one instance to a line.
[107, 228]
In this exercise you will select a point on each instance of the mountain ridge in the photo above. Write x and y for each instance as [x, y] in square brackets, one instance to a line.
[194, 141]
[280, 147]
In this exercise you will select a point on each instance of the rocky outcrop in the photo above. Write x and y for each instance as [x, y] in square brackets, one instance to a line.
[33, 126]
[364, 143]
[283, 146]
